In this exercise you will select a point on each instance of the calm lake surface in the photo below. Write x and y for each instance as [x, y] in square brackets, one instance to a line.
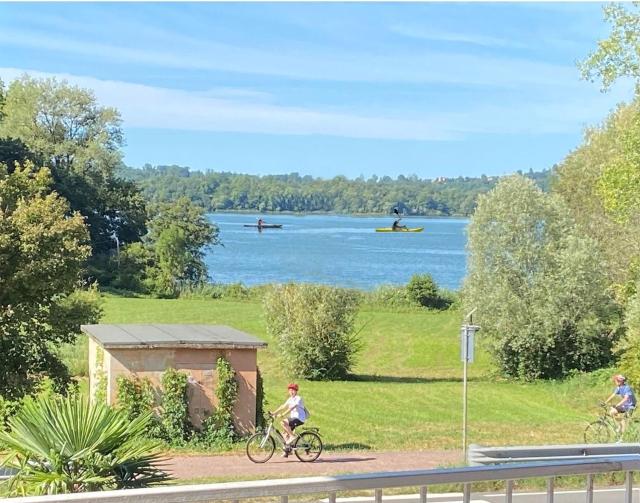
[337, 250]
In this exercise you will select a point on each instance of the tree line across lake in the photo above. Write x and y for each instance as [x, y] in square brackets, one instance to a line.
[222, 191]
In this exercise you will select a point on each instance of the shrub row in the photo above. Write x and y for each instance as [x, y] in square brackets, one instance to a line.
[170, 407]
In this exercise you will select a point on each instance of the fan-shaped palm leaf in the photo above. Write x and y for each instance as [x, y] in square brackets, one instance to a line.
[60, 445]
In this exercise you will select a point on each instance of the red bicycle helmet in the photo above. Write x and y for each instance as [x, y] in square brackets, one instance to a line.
[293, 386]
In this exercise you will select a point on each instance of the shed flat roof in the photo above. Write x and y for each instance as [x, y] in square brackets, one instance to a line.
[171, 336]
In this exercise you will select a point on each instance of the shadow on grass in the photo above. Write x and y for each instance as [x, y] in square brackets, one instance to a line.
[412, 380]
[349, 446]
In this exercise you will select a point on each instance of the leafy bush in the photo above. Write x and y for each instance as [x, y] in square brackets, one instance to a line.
[450, 298]
[7, 409]
[390, 296]
[236, 291]
[314, 329]
[218, 430]
[261, 419]
[130, 268]
[66, 445]
[176, 426]
[227, 389]
[423, 290]
[215, 433]
[135, 396]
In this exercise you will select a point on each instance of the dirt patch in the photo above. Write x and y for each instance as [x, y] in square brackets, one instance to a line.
[238, 467]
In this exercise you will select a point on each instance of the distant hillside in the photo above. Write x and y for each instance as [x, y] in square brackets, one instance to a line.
[219, 191]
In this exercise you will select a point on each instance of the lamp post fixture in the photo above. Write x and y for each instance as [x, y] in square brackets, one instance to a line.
[467, 334]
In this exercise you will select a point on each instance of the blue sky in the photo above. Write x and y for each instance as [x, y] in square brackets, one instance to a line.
[432, 89]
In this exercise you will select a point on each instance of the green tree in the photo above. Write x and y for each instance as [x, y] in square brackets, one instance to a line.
[629, 347]
[67, 445]
[14, 151]
[619, 182]
[599, 182]
[541, 296]
[314, 328]
[619, 54]
[80, 142]
[179, 235]
[610, 156]
[43, 248]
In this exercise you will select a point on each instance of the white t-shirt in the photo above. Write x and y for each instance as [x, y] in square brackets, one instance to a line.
[298, 408]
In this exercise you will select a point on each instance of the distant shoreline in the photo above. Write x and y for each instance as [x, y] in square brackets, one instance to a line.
[334, 214]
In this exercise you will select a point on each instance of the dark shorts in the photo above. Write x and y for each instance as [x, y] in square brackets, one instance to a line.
[294, 422]
[625, 408]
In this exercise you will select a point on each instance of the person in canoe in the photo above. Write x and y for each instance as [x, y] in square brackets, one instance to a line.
[397, 226]
[260, 224]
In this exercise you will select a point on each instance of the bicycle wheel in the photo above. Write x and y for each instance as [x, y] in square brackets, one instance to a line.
[308, 446]
[598, 432]
[260, 449]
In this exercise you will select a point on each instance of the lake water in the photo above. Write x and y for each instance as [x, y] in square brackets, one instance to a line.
[337, 250]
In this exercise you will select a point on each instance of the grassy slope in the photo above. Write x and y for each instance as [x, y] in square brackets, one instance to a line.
[408, 388]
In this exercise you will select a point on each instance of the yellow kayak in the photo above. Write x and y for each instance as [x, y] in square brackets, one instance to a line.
[405, 229]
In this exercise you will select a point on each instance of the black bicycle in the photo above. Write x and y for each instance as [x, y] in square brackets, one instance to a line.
[307, 446]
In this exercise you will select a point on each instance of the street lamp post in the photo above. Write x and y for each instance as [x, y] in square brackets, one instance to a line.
[467, 334]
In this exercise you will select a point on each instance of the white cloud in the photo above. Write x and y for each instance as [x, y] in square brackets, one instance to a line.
[154, 107]
[238, 110]
[422, 33]
[310, 62]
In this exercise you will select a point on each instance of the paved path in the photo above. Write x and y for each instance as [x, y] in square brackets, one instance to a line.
[237, 466]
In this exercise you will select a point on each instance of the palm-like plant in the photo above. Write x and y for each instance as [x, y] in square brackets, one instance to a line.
[64, 445]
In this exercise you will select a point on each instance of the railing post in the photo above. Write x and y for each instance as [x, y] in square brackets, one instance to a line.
[466, 493]
[550, 490]
[508, 493]
[423, 494]
[284, 499]
[378, 495]
[332, 497]
[590, 488]
[628, 493]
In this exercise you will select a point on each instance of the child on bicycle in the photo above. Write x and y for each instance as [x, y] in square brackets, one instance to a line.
[294, 406]
[628, 402]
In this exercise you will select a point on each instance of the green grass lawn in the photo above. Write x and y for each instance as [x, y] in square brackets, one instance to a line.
[407, 388]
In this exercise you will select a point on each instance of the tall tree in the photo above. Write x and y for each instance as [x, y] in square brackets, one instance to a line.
[80, 142]
[179, 235]
[538, 286]
[619, 56]
[43, 247]
[600, 182]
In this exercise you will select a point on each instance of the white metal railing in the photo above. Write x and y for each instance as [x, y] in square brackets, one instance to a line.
[480, 455]
[283, 488]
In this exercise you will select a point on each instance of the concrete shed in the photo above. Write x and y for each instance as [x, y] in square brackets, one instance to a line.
[146, 351]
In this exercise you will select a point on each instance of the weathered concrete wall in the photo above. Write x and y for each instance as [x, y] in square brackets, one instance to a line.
[200, 366]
